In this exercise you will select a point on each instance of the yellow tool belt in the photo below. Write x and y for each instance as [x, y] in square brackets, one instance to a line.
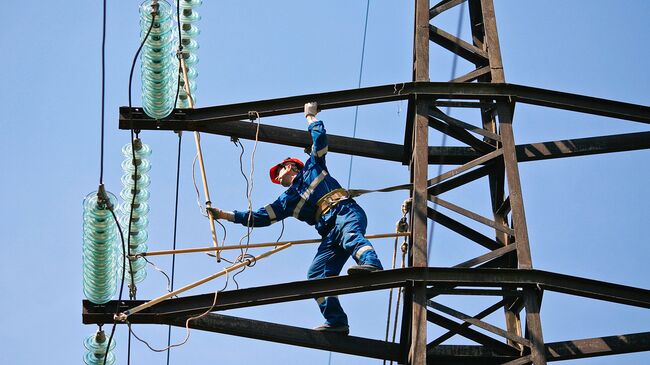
[329, 201]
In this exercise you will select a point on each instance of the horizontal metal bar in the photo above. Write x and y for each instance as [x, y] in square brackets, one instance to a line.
[555, 351]
[437, 290]
[583, 146]
[463, 104]
[196, 119]
[437, 155]
[599, 346]
[501, 278]
[259, 245]
[291, 335]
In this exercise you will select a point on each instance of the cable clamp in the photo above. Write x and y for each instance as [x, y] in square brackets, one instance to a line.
[406, 206]
[132, 291]
[154, 7]
[252, 115]
[248, 259]
[103, 202]
[402, 225]
[179, 53]
[121, 317]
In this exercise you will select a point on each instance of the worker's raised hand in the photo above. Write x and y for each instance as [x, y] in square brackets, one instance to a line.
[220, 214]
[311, 109]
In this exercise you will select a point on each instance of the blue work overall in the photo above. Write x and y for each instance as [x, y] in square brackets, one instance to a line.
[342, 227]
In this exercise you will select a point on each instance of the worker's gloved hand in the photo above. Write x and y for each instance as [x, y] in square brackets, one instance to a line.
[221, 214]
[311, 109]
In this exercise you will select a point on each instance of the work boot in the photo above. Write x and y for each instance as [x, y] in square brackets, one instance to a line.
[336, 328]
[362, 269]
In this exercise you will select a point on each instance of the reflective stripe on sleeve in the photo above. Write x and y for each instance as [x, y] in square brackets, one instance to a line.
[271, 213]
[305, 195]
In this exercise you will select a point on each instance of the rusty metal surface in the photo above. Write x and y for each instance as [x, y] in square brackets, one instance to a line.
[291, 335]
[449, 277]
[195, 119]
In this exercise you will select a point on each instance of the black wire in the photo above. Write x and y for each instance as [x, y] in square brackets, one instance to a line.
[124, 250]
[356, 110]
[119, 297]
[101, 148]
[137, 53]
[241, 165]
[444, 134]
[281, 232]
[180, 71]
[248, 228]
[128, 346]
[171, 288]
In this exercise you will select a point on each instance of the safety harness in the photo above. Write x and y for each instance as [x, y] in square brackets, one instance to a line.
[330, 200]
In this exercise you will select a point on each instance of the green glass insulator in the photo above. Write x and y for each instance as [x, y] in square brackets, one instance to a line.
[135, 181]
[95, 345]
[189, 16]
[158, 60]
[99, 241]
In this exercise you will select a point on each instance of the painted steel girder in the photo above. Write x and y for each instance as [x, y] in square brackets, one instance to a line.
[437, 155]
[198, 118]
[501, 278]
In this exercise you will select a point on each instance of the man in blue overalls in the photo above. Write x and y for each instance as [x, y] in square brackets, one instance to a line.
[315, 197]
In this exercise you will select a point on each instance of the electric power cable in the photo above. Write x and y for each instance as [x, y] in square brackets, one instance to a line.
[356, 109]
[187, 323]
[124, 250]
[103, 97]
[444, 135]
[171, 285]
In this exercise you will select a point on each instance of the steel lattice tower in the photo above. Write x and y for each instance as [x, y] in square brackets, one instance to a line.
[505, 272]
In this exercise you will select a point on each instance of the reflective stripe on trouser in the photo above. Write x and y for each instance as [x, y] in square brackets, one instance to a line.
[344, 240]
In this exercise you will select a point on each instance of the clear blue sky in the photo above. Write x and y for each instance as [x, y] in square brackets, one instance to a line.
[586, 215]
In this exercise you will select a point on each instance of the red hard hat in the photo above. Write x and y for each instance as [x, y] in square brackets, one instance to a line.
[273, 173]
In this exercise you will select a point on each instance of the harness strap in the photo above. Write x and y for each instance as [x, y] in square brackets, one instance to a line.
[358, 192]
[330, 200]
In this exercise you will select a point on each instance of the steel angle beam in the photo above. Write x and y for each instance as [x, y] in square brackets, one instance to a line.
[599, 346]
[291, 335]
[466, 355]
[198, 118]
[583, 146]
[499, 278]
[555, 351]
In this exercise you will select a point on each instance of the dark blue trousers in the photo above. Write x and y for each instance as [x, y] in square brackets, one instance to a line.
[345, 239]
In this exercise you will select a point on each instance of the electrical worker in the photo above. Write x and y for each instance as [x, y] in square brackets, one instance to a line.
[315, 197]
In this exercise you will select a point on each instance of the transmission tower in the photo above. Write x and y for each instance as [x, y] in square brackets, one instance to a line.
[504, 273]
